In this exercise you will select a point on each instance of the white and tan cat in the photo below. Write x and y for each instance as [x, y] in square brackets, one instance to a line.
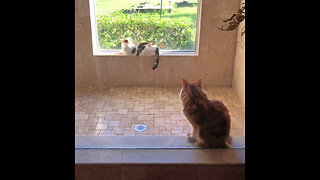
[140, 49]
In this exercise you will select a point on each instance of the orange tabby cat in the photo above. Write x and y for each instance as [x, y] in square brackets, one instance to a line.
[210, 119]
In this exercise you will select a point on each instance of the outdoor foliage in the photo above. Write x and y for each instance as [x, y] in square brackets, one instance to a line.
[144, 27]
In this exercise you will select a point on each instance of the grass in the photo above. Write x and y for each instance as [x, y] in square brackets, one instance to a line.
[184, 14]
[105, 7]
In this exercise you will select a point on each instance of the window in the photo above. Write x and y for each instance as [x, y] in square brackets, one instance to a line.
[173, 25]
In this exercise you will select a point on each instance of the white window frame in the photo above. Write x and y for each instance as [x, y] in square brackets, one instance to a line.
[100, 52]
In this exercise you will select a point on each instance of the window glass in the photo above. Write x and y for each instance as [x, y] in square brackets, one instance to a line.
[170, 24]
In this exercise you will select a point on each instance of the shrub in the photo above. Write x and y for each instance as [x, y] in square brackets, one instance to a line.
[143, 27]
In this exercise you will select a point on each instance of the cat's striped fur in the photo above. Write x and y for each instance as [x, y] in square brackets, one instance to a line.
[210, 119]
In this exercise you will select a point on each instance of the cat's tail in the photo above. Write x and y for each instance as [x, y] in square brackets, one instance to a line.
[156, 61]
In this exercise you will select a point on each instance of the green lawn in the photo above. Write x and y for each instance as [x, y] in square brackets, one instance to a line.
[184, 14]
[105, 7]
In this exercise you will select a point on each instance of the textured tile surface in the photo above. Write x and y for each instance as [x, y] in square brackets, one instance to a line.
[116, 110]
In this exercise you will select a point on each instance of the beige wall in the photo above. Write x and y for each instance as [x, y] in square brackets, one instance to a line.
[214, 63]
[238, 80]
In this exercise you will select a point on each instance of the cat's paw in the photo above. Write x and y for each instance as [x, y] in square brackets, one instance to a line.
[200, 144]
[190, 138]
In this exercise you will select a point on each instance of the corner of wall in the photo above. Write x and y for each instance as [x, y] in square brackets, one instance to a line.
[238, 78]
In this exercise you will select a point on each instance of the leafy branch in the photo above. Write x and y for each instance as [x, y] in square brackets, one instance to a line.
[234, 21]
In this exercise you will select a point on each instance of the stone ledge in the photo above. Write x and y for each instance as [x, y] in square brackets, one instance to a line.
[143, 142]
[160, 156]
[154, 150]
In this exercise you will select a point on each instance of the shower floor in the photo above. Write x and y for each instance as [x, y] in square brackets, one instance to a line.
[117, 110]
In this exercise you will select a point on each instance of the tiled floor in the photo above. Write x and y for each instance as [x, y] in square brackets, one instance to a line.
[117, 110]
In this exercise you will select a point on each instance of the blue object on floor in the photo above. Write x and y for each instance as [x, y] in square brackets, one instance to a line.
[140, 127]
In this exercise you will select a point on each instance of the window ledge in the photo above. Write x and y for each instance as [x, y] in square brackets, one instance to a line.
[153, 150]
[162, 53]
[143, 142]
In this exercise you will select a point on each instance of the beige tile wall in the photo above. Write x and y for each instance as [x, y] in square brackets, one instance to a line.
[214, 64]
[238, 80]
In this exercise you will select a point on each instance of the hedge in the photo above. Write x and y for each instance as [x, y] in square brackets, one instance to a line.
[144, 27]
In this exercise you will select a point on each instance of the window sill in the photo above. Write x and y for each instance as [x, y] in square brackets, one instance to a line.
[153, 150]
[162, 53]
[143, 142]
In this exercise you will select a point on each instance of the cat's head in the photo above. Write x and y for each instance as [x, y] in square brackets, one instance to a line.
[186, 84]
[126, 40]
[192, 91]
[195, 85]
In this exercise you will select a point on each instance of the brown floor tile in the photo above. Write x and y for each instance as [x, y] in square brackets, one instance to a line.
[117, 110]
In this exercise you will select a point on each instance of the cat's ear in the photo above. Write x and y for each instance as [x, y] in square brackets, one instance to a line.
[184, 83]
[199, 83]
[124, 41]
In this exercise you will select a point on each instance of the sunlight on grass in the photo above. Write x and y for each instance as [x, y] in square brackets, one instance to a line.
[106, 7]
[182, 14]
